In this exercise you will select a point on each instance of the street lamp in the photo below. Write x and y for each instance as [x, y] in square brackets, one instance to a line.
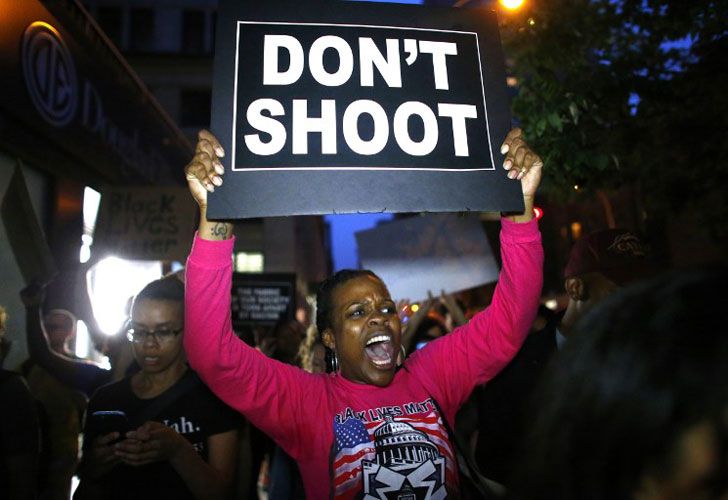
[511, 4]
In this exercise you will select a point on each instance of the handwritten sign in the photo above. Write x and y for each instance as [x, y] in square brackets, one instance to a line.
[146, 223]
[262, 299]
[346, 107]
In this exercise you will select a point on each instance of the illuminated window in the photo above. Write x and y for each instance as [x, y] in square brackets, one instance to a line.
[248, 262]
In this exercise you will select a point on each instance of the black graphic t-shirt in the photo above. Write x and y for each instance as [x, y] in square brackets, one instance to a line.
[196, 414]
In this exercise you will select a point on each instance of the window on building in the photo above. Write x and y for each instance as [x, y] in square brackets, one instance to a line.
[110, 20]
[248, 262]
[195, 106]
[193, 31]
[141, 30]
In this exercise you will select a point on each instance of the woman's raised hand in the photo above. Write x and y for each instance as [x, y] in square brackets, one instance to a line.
[525, 165]
[205, 171]
[522, 162]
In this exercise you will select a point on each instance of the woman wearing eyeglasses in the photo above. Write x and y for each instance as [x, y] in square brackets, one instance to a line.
[159, 433]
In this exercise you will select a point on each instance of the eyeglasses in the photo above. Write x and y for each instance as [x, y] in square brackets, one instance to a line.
[139, 335]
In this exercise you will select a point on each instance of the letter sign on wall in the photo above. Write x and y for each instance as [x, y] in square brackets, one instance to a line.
[339, 107]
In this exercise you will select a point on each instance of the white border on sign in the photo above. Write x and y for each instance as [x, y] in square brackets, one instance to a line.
[235, 100]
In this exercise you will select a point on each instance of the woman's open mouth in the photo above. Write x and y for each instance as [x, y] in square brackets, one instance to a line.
[380, 351]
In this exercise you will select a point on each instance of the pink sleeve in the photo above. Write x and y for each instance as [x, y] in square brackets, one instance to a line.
[474, 353]
[267, 392]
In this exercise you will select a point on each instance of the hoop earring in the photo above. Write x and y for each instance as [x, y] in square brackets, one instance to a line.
[332, 361]
[402, 355]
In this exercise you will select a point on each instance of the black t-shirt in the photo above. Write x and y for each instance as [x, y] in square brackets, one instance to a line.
[196, 414]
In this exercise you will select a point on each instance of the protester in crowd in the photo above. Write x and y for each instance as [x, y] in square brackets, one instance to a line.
[599, 264]
[636, 405]
[174, 439]
[47, 345]
[19, 430]
[367, 426]
[60, 406]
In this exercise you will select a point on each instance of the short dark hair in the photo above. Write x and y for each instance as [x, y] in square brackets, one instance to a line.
[648, 363]
[167, 288]
[326, 290]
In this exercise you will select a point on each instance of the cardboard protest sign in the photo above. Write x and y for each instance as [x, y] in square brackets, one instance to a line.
[145, 223]
[25, 234]
[433, 252]
[262, 299]
[348, 107]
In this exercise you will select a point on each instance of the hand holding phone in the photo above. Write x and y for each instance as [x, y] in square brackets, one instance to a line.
[106, 422]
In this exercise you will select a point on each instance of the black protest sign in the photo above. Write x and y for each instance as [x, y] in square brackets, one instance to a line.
[24, 232]
[262, 299]
[145, 223]
[345, 107]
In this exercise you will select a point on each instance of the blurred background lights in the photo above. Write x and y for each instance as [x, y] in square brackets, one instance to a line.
[111, 283]
[511, 4]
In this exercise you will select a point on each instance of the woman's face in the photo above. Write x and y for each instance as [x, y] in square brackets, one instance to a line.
[366, 331]
[156, 353]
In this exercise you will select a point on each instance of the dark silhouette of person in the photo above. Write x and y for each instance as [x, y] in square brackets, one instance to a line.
[635, 407]
[19, 430]
[599, 264]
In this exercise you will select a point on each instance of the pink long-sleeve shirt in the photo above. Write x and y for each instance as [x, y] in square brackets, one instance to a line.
[355, 440]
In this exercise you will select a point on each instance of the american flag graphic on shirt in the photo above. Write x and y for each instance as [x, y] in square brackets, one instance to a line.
[355, 455]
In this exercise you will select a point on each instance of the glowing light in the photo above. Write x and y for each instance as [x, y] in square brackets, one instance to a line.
[415, 307]
[576, 187]
[111, 282]
[249, 262]
[575, 230]
[537, 212]
[552, 304]
[91, 201]
[531, 21]
[83, 340]
[511, 4]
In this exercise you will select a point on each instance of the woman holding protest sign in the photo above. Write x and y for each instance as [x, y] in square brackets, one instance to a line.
[369, 427]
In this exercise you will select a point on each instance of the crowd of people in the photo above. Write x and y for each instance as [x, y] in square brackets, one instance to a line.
[623, 395]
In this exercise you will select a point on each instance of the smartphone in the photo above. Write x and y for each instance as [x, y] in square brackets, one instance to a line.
[106, 422]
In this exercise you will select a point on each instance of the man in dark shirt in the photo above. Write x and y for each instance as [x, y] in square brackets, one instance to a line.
[599, 264]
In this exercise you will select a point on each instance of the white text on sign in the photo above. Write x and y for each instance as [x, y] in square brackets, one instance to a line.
[262, 113]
